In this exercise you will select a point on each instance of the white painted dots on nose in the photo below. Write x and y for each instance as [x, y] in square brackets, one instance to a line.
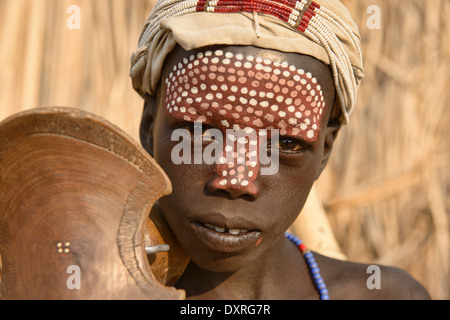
[238, 167]
[243, 91]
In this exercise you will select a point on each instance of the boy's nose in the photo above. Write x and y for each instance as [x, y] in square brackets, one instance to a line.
[250, 192]
[237, 171]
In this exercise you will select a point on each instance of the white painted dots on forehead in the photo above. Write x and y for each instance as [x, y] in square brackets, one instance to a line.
[237, 91]
[245, 90]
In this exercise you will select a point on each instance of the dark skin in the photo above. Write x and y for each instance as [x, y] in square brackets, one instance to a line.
[274, 269]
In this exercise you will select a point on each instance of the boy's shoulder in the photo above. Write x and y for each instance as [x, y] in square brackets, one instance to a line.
[355, 281]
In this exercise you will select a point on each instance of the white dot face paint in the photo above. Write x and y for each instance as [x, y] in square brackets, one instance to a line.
[242, 91]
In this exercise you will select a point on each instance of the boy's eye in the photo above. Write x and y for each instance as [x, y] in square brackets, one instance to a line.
[195, 130]
[289, 145]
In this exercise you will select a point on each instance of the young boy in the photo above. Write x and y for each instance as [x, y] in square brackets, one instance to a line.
[243, 102]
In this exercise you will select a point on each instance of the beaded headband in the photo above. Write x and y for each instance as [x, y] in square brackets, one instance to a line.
[335, 33]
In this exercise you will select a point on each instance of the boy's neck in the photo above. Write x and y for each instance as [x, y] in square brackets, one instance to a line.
[256, 281]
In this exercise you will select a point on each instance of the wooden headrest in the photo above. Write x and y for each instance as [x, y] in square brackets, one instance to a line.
[75, 198]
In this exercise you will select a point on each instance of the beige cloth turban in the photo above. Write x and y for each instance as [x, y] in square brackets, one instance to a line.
[323, 29]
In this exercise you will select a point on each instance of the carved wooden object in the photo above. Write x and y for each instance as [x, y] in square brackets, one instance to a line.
[76, 191]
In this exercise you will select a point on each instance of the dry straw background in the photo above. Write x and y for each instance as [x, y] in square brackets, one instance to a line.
[386, 190]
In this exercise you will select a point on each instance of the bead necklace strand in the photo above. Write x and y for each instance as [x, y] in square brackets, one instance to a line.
[312, 265]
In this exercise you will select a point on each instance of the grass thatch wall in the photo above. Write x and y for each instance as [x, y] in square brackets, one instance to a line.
[386, 190]
[45, 63]
[388, 195]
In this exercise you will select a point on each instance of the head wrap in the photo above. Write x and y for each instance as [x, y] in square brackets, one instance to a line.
[323, 29]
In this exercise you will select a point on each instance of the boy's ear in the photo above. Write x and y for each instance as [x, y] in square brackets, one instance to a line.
[331, 134]
[147, 123]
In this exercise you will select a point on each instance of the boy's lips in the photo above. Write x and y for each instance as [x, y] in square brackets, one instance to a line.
[226, 235]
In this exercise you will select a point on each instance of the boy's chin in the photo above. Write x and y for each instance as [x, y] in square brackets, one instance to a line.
[224, 263]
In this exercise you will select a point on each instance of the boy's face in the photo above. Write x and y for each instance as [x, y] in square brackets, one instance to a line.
[227, 213]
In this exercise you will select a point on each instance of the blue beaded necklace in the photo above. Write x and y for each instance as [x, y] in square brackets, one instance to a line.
[312, 265]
